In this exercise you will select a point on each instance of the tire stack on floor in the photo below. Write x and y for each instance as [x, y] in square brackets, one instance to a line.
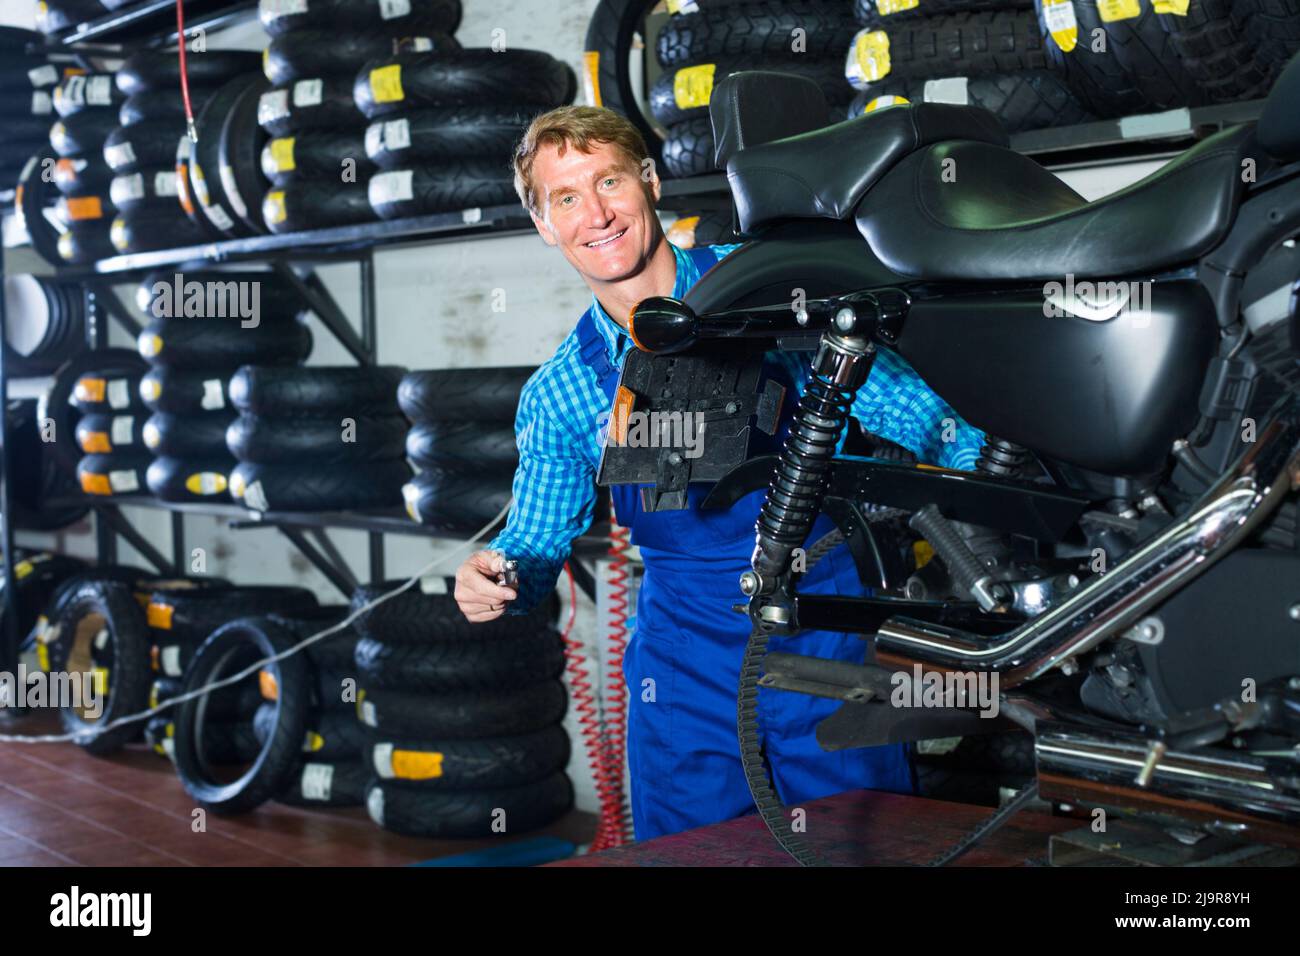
[26, 102]
[986, 53]
[87, 105]
[463, 719]
[704, 43]
[108, 430]
[153, 183]
[463, 443]
[331, 770]
[443, 125]
[198, 337]
[317, 439]
[316, 161]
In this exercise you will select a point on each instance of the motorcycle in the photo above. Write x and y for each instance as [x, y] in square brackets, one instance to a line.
[1124, 561]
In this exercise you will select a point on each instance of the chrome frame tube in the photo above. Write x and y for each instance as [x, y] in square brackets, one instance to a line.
[1106, 604]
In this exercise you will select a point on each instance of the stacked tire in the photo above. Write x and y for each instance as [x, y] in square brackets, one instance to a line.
[87, 106]
[26, 102]
[193, 353]
[986, 53]
[443, 125]
[463, 719]
[704, 43]
[317, 439]
[315, 158]
[462, 442]
[155, 200]
[331, 771]
[114, 460]
[150, 151]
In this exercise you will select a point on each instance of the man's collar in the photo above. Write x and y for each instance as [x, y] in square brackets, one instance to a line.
[611, 331]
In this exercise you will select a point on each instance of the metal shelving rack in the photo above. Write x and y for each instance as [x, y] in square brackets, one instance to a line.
[152, 24]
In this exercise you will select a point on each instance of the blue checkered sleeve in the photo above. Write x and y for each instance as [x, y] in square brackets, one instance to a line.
[557, 431]
[895, 404]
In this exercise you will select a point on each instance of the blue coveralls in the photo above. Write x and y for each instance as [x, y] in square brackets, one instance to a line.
[682, 663]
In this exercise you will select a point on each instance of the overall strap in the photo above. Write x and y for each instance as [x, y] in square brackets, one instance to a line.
[703, 257]
[591, 348]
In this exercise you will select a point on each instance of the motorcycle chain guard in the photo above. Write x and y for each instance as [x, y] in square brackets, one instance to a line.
[685, 418]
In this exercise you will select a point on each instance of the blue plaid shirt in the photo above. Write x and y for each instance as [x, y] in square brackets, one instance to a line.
[559, 432]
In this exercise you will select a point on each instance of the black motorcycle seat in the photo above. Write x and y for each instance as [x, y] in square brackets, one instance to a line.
[1000, 215]
[824, 173]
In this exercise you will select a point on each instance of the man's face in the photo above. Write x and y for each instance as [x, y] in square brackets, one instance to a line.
[597, 209]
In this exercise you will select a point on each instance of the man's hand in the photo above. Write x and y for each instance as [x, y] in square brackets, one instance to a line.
[477, 593]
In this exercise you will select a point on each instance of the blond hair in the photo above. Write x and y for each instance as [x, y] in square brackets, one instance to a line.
[580, 127]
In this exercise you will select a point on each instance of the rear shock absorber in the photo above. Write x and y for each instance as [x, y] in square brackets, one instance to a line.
[803, 471]
[1001, 458]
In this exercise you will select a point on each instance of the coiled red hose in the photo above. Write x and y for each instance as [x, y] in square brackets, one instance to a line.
[618, 828]
[604, 734]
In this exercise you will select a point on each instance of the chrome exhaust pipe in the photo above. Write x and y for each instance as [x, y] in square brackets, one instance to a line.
[1108, 603]
[1232, 794]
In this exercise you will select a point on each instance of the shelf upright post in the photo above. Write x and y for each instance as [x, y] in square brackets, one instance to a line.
[9, 639]
[97, 339]
[369, 323]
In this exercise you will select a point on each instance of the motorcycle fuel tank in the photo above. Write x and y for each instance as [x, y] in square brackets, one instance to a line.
[1104, 376]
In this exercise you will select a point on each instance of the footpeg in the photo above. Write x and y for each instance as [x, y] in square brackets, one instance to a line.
[966, 570]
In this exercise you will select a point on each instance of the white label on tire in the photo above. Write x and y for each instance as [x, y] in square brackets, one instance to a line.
[99, 90]
[124, 481]
[42, 104]
[73, 90]
[421, 44]
[232, 192]
[170, 659]
[273, 9]
[169, 747]
[308, 92]
[119, 155]
[434, 584]
[220, 218]
[213, 396]
[471, 216]
[382, 757]
[951, 89]
[121, 430]
[1059, 16]
[46, 75]
[391, 187]
[101, 639]
[272, 106]
[375, 805]
[397, 134]
[316, 780]
[119, 393]
[368, 714]
[125, 188]
[391, 9]
[164, 183]
[255, 497]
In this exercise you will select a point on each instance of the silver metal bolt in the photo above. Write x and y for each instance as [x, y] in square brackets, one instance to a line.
[1293, 611]
[801, 316]
[732, 408]
[749, 583]
[845, 319]
[675, 459]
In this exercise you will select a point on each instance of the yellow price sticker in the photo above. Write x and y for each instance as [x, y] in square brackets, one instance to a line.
[1061, 23]
[1112, 10]
[273, 206]
[693, 86]
[871, 51]
[386, 83]
[282, 154]
[886, 7]
[416, 765]
[1176, 7]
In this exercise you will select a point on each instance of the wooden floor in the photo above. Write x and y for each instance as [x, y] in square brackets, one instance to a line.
[59, 806]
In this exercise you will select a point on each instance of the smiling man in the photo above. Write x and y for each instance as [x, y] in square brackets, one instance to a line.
[581, 173]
